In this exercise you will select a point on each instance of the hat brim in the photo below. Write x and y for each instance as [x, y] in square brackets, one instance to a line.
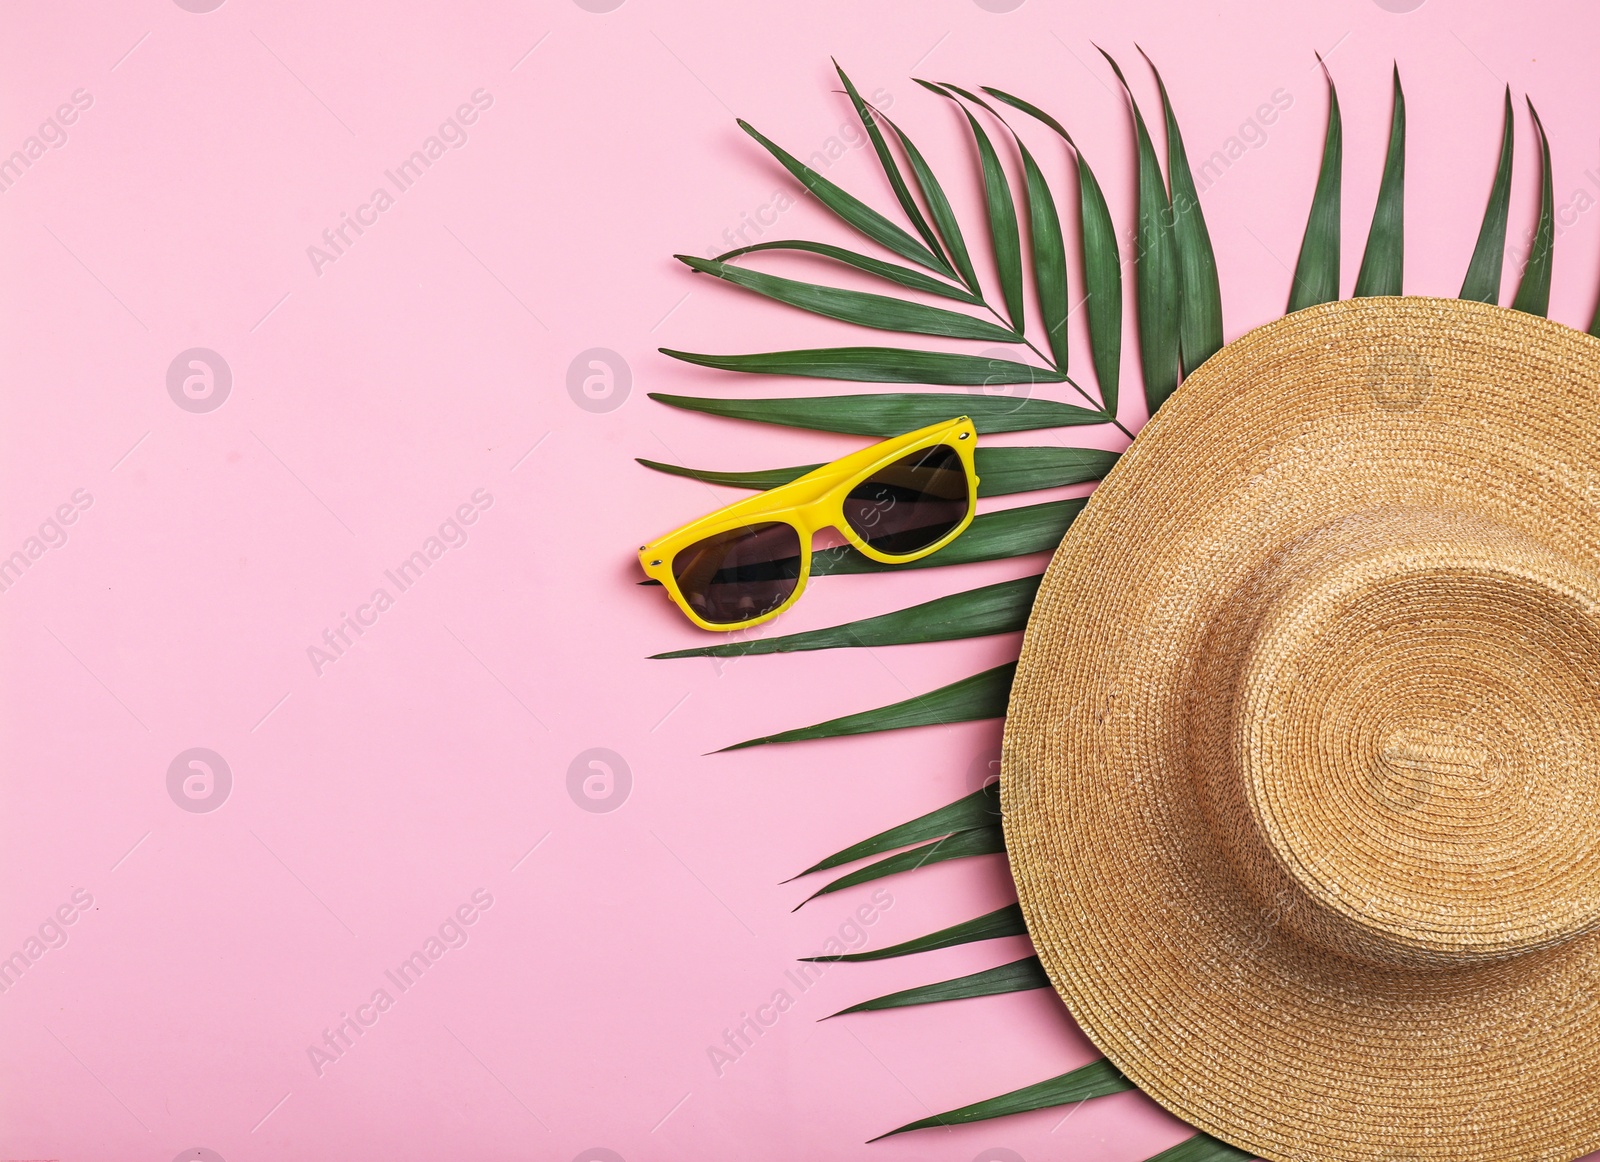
[1178, 972]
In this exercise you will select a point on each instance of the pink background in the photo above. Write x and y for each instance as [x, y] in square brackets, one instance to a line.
[429, 360]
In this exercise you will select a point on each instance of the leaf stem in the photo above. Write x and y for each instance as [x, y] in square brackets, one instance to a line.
[1111, 419]
[1098, 405]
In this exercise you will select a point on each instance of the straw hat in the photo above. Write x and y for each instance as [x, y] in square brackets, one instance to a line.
[1302, 764]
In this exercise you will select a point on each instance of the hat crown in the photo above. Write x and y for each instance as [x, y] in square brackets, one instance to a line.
[1410, 740]
[1433, 754]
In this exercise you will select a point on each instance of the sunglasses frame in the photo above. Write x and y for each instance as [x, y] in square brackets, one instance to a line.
[811, 503]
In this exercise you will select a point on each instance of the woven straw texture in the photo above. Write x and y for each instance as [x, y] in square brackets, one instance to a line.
[1302, 764]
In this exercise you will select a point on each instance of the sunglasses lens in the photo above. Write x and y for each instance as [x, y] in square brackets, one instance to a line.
[910, 504]
[739, 574]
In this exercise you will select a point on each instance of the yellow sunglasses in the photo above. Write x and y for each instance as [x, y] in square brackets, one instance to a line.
[897, 501]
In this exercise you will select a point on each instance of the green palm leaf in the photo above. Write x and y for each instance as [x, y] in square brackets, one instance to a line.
[1202, 1148]
[1049, 256]
[979, 809]
[891, 170]
[858, 307]
[961, 845]
[760, 479]
[1011, 532]
[1004, 471]
[1199, 290]
[1156, 266]
[1048, 245]
[939, 206]
[969, 700]
[1018, 976]
[902, 275]
[998, 608]
[892, 414]
[1533, 293]
[1102, 264]
[1002, 211]
[852, 210]
[1001, 471]
[1482, 283]
[1097, 1079]
[1383, 262]
[879, 365]
[1006, 921]
[1316, 273]
[1102, 275]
